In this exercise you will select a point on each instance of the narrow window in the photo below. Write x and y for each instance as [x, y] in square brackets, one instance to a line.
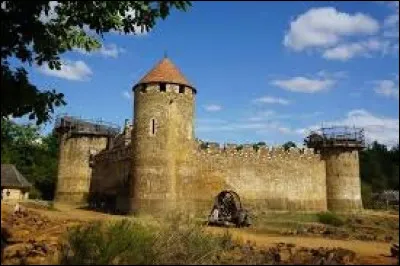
[181, 89]
[153, 127]
[163, 87]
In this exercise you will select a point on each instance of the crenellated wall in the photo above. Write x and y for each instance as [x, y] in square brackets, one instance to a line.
[266, 178]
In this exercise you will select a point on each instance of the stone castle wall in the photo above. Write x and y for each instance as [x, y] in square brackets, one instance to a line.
[157, 165]
[269, 179]
[110, 176]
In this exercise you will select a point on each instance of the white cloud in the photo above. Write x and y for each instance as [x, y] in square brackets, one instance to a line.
[127, 95]
[325, 27]
[303, 84]
[344, 52]
[391, 22]
[263, 116]
[383, 129]
[342, 36]
[111, 50]
[387, 88]
[71, 70]
[272, 100]
[213, 108]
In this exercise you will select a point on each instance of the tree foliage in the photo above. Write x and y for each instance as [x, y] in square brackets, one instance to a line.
[288, 145]
[379, 167]
[33, 33]
[35, 156]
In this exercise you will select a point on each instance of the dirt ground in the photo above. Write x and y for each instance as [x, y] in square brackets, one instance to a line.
[371, 253]
[57, 221]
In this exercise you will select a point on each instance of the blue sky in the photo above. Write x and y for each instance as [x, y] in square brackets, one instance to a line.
[264, 71]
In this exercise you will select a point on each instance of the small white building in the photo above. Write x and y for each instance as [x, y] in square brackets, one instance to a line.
[14, 186]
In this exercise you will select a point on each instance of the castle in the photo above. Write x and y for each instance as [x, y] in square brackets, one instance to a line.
[157, 164]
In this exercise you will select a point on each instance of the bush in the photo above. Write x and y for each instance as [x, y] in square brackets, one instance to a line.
[330, 218]
[183, 241]
[122, 242]
[128, 242]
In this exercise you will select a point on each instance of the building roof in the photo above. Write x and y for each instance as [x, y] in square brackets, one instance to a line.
[165, 71]
[11, 177]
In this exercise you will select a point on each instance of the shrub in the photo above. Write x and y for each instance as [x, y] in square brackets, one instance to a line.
[182, 241]
[121, 242]
[330, 218]
[127, 242]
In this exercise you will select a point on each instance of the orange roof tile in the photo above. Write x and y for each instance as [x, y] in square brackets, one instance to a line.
[165, 71]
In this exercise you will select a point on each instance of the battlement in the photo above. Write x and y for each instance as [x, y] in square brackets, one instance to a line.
[78, 126]
[165, 88]
[253, 151]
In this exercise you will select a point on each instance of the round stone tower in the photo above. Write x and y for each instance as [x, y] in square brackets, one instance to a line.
[163, 137]
[79, 140]
[339, 148]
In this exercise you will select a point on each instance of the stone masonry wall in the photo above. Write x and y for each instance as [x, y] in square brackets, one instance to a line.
[110, 175]
[158, 155]
[268, 179]
[74, 172]
[343, 179]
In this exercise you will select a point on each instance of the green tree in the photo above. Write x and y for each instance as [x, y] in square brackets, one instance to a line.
[379, 167]
[256, 146]
[288, 145]
[34, 155]
[31, 34]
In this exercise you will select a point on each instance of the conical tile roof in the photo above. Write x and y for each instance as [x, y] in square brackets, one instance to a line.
[165, 71]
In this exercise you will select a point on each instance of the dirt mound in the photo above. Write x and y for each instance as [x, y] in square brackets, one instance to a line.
[30, 238]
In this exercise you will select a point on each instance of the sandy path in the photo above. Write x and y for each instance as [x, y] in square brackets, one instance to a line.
[360, 247]
[367, 252]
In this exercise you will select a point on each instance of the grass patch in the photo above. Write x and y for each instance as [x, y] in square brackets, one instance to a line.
[51, 207]
[129, 242]
[330, 218]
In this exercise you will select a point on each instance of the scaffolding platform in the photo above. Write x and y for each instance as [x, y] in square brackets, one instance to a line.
[336, 137]
[78, 126]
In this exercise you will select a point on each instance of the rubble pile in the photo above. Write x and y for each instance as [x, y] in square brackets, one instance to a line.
[286, 254]
[363, 234]
[30, 238]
